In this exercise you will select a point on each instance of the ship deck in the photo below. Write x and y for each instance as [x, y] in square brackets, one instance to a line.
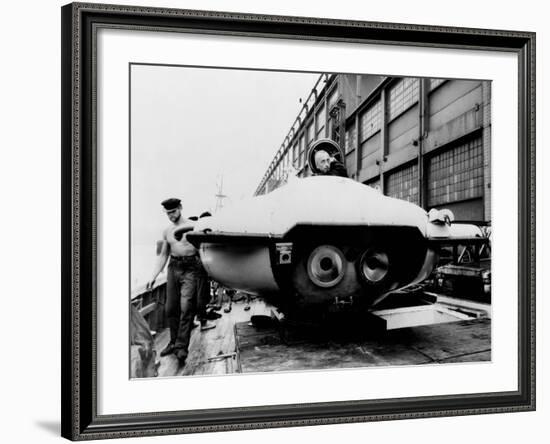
[235, 345]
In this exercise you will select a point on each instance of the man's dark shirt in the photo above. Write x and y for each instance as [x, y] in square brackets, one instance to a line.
[336, 169]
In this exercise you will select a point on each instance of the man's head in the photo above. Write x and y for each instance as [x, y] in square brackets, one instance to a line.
[322, 161]
[172, 208]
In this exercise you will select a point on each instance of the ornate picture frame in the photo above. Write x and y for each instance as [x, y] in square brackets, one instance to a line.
[80, 175]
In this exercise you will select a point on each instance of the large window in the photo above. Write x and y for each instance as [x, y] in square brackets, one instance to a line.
[403, 95]
[310, 133]
[351, 139]
[403, 184]
[456, 174]
[320, 122]
[301, 151]
[303, 147]
[333, 98]
[370, 121]
[296, 149]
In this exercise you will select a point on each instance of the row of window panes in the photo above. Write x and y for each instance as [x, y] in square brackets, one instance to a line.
[402, 95]
[456, 174]
[403, 184]
[370, 121]
[279, 171]
[299, 151]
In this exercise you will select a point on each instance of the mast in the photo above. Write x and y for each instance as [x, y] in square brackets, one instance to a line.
[220, 196]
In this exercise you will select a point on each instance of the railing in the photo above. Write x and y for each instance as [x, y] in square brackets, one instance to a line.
[150, 304]
[308, 106]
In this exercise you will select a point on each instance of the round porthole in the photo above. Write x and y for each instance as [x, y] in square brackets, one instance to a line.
[374, 266]
[326, 266]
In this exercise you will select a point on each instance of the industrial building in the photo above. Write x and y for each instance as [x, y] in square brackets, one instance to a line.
[424, 140]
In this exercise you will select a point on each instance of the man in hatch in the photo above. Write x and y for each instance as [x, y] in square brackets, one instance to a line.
[182, 277]
[328, 165]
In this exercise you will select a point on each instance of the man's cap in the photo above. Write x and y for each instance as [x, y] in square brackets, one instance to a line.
[171, 204]
[205, 214]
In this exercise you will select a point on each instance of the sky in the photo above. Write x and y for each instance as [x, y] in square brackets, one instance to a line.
[191, 127]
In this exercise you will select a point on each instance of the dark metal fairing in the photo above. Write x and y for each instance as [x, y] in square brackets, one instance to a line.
[405, 248]
[358, 234]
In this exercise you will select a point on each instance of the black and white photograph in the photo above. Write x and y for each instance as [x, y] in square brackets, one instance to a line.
[285, 221]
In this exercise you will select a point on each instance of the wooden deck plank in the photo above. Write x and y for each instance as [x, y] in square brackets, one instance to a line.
[483, 356]
[444, 341]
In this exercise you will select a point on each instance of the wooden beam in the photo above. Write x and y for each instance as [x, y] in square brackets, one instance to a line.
[144, 311]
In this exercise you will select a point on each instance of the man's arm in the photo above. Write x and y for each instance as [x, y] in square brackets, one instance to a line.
[160, 263]
[338, 169]
[183, 229]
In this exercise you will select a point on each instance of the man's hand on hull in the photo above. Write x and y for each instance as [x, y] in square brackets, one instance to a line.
[150, 284]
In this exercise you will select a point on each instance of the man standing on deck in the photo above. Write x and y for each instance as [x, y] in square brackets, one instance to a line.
[181, 285]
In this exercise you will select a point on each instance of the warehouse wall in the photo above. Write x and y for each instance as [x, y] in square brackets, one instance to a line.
[422, 140]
